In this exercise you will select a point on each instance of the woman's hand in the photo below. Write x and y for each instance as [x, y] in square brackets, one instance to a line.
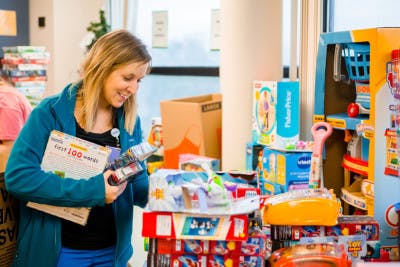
[112, 192]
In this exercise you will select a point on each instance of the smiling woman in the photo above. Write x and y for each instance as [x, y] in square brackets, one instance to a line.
[122, 83]
[91, 109]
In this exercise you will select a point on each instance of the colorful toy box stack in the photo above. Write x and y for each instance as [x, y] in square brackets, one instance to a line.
[26, 68]
[204, 219]
[275, 134]
[195, 252]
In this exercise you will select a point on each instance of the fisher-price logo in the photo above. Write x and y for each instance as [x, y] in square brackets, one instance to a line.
[304, 162]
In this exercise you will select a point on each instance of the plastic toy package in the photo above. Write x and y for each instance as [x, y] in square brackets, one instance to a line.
[199, 192]
[310, 255]
[127, 165]
[302, 207]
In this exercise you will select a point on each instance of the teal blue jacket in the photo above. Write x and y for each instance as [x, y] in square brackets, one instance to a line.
[39, 234]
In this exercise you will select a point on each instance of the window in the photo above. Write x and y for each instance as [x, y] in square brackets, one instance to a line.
[189, 24]
[362, 14]
[187, 66]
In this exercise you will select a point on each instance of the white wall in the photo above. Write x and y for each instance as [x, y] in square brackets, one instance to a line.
[251, 49]
[66, 22]
[43, 36]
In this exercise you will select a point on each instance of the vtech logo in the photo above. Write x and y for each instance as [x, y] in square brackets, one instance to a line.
[304, 162]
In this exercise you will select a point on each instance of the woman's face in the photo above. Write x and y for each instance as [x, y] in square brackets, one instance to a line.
[122, 83]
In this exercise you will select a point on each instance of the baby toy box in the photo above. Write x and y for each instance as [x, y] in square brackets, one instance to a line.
[276, 113]
[284, 170]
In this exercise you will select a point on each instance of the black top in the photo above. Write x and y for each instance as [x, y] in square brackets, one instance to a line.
[99, 232]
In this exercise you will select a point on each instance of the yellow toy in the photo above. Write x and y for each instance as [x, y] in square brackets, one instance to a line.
[302, 207]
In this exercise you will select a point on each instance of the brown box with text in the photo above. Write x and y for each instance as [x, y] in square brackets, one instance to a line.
[191, 125]
[8, 224]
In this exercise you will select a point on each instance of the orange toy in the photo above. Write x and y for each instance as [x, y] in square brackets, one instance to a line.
[310, 255]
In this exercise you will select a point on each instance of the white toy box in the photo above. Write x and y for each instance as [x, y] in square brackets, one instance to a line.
[276, 113]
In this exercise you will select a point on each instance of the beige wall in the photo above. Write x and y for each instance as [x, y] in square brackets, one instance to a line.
[66, 22]
[42, 36]
[251, 49]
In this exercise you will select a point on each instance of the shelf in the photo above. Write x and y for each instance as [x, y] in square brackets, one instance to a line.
[343, 122]
[355, 165]
[367, 189]
[353, 196]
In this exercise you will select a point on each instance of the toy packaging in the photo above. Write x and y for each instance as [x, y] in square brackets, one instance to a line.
[253, 156]
[270, 127]
[127, 165]
[284, 170]
[310, 255]
[176, 252]
[192, 162]
[293, 208]
[355, 246]
[181, 191]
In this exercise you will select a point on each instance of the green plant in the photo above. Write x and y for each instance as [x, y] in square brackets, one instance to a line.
[96, 30]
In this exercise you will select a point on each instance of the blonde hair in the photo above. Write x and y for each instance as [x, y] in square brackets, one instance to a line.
[110, 52]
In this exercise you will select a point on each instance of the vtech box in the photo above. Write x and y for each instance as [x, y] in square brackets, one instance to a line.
[284, 170]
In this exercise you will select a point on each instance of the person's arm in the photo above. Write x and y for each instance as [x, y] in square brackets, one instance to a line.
[25, 179]
[5, 148]
[13, 115]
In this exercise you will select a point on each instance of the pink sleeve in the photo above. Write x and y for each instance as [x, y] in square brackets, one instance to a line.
[12, 119]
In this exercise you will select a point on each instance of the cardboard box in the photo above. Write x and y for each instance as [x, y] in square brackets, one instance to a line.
[178, 225]
[191, 125]
[284, 171]
[276, 113]
[8, 225]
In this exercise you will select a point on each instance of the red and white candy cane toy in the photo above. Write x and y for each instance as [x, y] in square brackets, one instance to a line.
[320, 132]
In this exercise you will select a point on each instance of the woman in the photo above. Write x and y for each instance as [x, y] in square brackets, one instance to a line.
[103, 100]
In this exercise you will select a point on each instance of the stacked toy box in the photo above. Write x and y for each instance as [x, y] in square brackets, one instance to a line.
[26, 68]
[204, 219]
[275, 137]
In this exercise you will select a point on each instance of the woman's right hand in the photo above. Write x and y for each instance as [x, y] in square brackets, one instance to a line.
[112, 191]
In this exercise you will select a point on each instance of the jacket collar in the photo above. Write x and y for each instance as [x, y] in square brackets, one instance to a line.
[64, 108]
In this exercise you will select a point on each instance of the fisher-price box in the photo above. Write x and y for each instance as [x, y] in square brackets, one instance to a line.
[284, 170]
[276, 113]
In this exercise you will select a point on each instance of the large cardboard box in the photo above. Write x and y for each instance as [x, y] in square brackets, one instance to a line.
[191, 125]
[8, 225]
